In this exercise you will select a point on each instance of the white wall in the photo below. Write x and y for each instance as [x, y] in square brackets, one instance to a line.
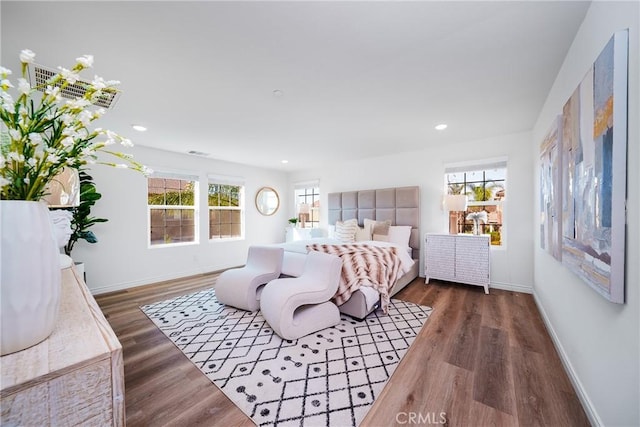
[122, 259]
[511, 267]
[598, 340]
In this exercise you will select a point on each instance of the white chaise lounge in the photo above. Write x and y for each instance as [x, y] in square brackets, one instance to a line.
[298, 306]
[241, 287]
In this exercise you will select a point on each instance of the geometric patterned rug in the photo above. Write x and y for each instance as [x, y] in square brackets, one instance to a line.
[329, 378]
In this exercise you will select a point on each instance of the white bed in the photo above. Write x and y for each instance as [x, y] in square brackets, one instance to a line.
[295, 252]
[295, 255]
[400, 206]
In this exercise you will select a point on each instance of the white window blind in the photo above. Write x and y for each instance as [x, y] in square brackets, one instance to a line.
[226, 179]
[169, 174]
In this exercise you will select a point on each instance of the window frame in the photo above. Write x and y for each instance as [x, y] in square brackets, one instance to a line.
[183, 176]
[483, 166]
[229, 181]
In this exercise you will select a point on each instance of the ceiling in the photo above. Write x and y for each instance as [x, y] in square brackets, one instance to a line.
[356, 79]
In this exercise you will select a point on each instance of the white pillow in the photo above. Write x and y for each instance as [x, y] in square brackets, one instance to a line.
[379, 229]
[346, 230]
[363, 234]
[380, 237]
[400, 235]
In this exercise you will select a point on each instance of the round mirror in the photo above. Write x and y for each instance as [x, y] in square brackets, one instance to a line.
[267, 201]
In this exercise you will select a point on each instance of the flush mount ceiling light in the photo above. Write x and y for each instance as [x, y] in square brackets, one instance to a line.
[278, 93]
[284, 162]
[139, 128]
[441, 126]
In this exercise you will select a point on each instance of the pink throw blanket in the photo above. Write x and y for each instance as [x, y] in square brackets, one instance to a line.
[364, 265]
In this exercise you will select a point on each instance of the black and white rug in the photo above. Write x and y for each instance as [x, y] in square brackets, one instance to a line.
[329, 378]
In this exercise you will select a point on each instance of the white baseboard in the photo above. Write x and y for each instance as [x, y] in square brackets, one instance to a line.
[594, 419]
[511, 287]
[148, 281]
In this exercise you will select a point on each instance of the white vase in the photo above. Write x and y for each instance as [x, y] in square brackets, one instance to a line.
[30, 277]
[80, 269]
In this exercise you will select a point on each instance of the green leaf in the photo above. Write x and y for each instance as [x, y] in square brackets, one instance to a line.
[88, 236]
[89, 196]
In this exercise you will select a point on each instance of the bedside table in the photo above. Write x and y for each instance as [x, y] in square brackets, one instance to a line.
[295, 233]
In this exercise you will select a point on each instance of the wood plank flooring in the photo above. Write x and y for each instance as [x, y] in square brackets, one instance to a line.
[480, 360]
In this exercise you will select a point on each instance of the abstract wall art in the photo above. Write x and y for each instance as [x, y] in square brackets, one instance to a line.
[583, 175]
[550, 191]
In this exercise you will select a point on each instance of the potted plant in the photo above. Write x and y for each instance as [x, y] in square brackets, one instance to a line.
[82, 220]
[293, 221]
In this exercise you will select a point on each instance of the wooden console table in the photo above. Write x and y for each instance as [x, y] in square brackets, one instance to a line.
[74, 377]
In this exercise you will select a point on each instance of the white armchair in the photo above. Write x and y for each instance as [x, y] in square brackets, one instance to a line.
[295, 307]
[241, 287]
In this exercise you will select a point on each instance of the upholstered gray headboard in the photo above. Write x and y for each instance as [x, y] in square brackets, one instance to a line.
[400, 205]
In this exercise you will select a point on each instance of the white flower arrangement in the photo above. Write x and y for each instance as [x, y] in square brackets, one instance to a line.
[41, 134]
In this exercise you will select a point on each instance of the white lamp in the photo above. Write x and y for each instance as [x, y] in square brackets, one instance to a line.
[455, 203]
[303, 210]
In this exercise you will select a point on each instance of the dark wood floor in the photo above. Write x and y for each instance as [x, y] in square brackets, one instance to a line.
[480, 360]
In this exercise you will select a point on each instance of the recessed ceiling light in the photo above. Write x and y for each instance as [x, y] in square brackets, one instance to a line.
[441, 126]
[284, 162]
[139, 128]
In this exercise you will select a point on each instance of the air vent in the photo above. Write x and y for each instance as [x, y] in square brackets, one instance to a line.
[198, 153]
[39, 76]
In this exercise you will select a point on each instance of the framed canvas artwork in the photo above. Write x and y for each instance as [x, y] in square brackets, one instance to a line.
[550, 188]
[593, 145]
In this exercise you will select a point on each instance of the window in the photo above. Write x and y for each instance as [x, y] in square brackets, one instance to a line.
[307, 199]
[485, 187]
[226, 212]
[172, 209]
